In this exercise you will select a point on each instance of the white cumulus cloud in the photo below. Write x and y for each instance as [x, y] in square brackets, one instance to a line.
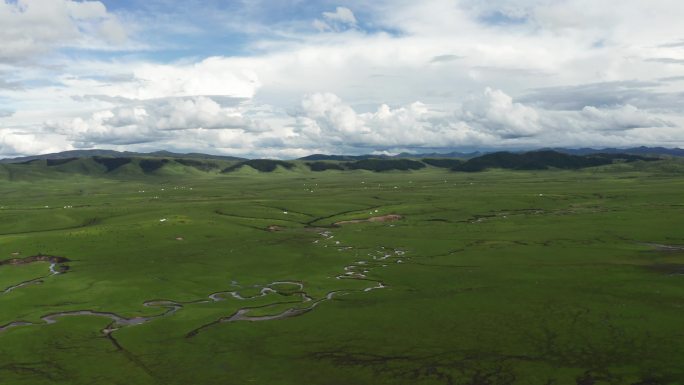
[16, 142]
[490, 119]
[153, 120]
[32, 27]
[343, 17]
[496, 113]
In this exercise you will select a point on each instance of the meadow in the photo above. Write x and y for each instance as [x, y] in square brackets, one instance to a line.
[185, 276]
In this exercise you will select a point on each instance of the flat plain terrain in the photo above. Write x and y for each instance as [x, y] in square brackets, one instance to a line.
[491, 278]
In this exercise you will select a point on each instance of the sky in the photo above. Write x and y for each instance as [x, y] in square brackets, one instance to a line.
[289, 78]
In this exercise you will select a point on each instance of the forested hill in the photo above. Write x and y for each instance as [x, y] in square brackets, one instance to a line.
[540, 160]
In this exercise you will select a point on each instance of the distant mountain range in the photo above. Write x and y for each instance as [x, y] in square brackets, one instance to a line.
[129, 165]
[118, 154]
[653, 151]
[634, 150]
[342, 158]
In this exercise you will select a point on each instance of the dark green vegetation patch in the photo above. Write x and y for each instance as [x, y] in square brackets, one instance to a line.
[263, 165]
[59, 162]
[151, 165]
[443, 162]
[380, 165]
[541, 160]
[323, 166]
[112, 163]
[199, 164]
[32, 161]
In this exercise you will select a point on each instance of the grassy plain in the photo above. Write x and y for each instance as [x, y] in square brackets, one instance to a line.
[492, 278]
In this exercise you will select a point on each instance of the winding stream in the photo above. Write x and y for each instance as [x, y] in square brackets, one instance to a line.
[55, 269]
[357, 271]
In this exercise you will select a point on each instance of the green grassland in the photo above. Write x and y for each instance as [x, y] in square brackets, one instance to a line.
[491, 278]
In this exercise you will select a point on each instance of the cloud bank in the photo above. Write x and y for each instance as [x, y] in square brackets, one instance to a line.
[353, 78]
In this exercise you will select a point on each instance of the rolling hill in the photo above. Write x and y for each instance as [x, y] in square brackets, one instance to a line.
[136, 166]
